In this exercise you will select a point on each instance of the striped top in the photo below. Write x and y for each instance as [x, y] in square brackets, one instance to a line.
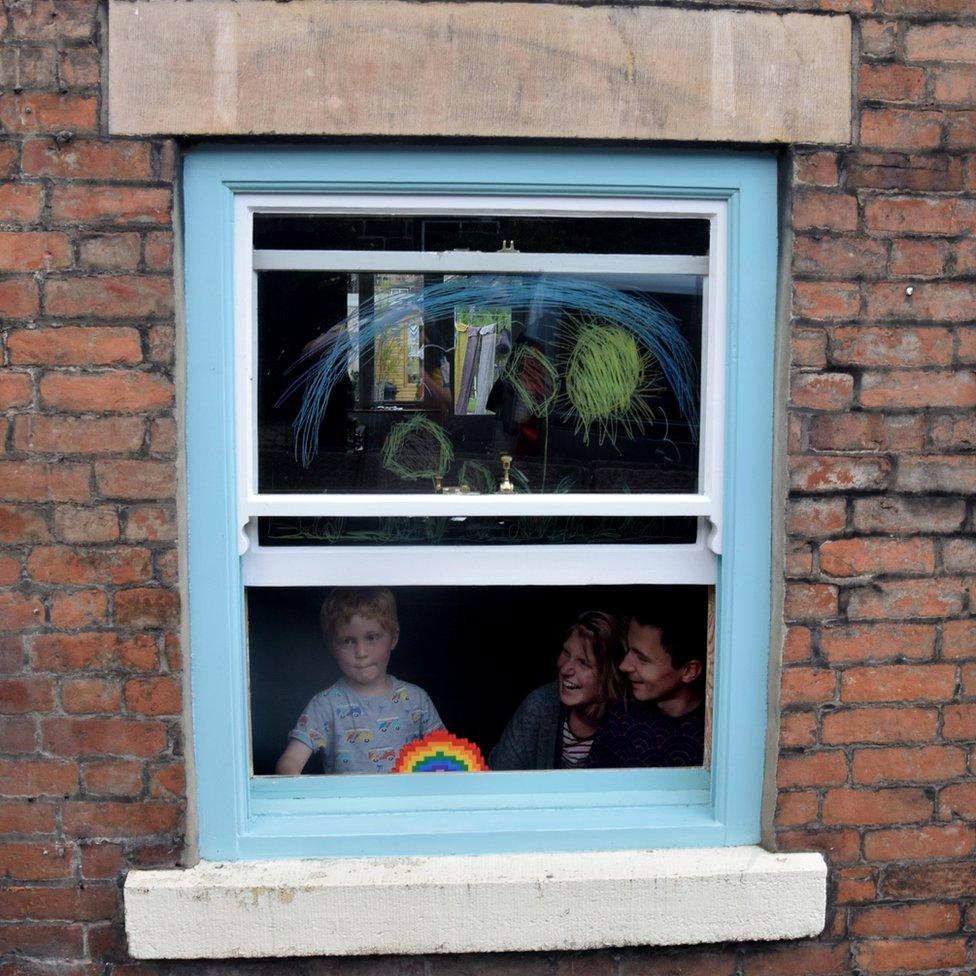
[575, 751]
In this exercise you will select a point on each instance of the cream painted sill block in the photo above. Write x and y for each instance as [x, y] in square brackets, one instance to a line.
[491, 903]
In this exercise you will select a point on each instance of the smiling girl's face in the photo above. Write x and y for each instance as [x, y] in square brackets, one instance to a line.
[579, 677]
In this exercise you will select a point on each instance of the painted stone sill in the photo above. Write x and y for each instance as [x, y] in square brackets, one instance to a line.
[488, 903]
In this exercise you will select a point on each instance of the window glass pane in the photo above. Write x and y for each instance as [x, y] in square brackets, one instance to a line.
[355, 676]
[410, 382]
[474, 232]
[290, 530]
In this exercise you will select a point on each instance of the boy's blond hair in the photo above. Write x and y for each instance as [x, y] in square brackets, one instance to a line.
[344, 602]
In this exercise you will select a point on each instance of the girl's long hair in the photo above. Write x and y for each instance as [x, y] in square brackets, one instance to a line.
[606, 637]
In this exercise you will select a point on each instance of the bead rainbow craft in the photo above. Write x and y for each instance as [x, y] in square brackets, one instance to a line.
[440, 752]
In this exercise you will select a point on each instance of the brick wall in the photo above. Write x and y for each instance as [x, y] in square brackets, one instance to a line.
[879, 687]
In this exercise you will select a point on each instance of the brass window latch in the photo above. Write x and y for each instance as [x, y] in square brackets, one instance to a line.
[506, 485]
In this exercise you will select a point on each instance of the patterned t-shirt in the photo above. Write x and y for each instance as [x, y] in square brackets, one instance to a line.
[637, 734]
[355, 733]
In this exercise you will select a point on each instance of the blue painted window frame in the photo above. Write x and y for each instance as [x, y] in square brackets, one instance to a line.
[242, 817]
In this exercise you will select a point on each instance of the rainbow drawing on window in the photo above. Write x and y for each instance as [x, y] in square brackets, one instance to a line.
[440, 752]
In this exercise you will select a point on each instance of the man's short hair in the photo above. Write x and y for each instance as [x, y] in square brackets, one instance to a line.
[682, 618]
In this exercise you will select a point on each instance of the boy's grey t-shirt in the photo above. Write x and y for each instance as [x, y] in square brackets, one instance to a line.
[356, 733]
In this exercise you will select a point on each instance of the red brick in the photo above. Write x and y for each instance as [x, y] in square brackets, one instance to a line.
[160, 342]
[877, 642]
[18, 298]
[71, 904]
[119, 252]
[810, 601]
[800, 685]
[919, 388]
[16, 390]
[955, 84]
[37, 778]
[950, 879]
[74, 609]
[168, 781]
[906, 920]
[949, 473]
[119, 296]
[940, 42]
[958, 800]
[80, 67]
[124, 205]
[19, 611]
[968, 672]
[797, 645]
[853, 257]
[893, 128]
[27, 66]
[799, 560]
[20, 202]
[33, 251]
[826, 300]
[803, 959]
[33, 112]
[838, 846]
[833, 211]
[879, 725]
[11, 657]
[911, 516]
[866, 432]
[959, 722]
[812, 769]
[913, 215]
[94, 650]
[102, 737]
[793, 809]
[61, 942]
[18, 735]
[46, 434]
[75, 346]
[962, 130]
[126, 391]
[883, 806]
[27, 694]
[153, 696]
[159, 250]
[123, 778]
[90, 696]
[893, 346]
[882, 956]
[101, 861]
[959, 639]
[856, 885]
[891, 83]
[919, 843]
[914, 258]
[64, 564]
[808, 347]
[112, 820]
[878, 38]
[858, 557]
[19, 523]
[948, 301]
[826, 472]
[816, 517]
[959, 555]
[821, 391]
[56, 20]
[906, 599]
[9, 156]
[150, 524]
[10, 570]
[29, 862]
[798, 729]
[87, 160]
[86, 524]
[966, 345]
[147, 607]
[927, 764]
[136, 479]
[27, 818]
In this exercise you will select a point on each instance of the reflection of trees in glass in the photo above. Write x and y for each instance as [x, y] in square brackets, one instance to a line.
[609, 377]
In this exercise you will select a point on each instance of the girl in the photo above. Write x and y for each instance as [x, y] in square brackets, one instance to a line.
[554, 727]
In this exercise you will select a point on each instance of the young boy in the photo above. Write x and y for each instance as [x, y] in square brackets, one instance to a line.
[663, 723]
[359, 724]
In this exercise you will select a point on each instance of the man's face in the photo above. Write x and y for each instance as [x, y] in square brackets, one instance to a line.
[362, 650]
[648, 666]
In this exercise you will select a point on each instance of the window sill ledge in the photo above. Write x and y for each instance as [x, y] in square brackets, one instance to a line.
[490, 903]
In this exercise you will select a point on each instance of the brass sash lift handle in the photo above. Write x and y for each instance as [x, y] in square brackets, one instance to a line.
[506, 487]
